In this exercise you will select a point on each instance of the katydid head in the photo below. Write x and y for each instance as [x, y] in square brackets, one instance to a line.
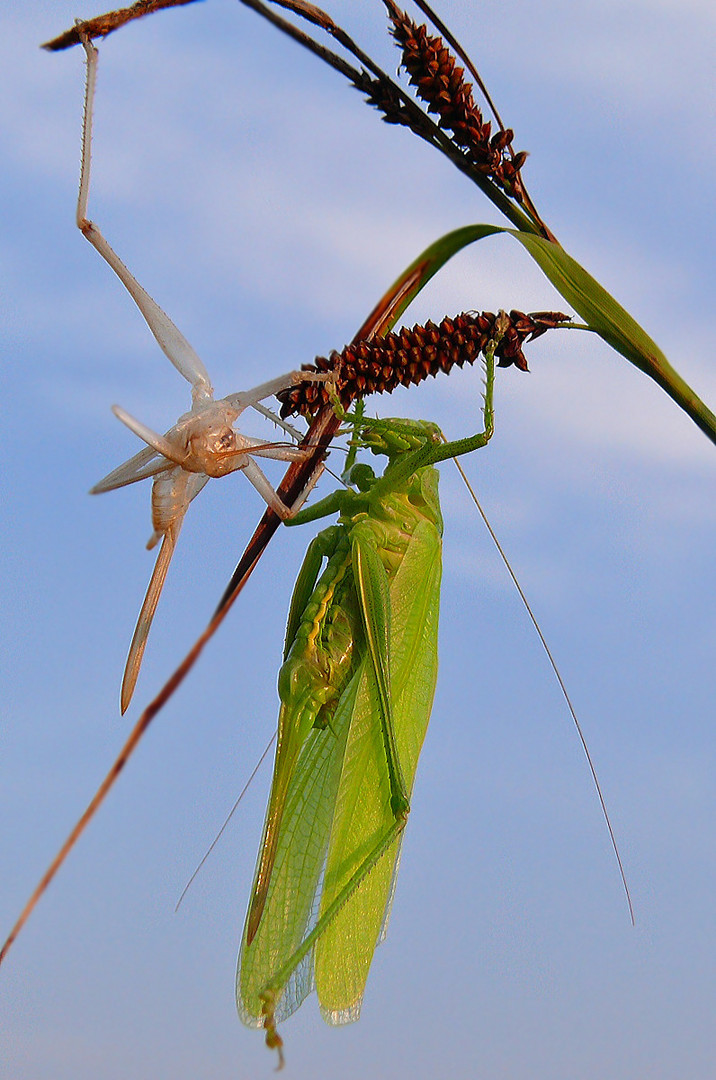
[213, 446]
[394, 437]
[361, 476]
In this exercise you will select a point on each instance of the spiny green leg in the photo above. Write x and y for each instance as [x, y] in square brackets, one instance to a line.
[431, 445]
[320, 548]
[332, 504]
[372, 585]
[434, 448]
[355, 443]
[481, 438]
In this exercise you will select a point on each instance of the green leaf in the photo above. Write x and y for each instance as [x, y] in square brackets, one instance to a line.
[600, 311]
[614, 324]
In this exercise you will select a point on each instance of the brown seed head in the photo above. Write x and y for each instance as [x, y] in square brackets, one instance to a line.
[441, 84]
[409, 355]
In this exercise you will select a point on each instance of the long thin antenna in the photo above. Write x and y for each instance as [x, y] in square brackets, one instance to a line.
[560, 681]
[228, 818]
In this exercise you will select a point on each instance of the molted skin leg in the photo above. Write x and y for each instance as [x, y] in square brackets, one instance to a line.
[169, 338]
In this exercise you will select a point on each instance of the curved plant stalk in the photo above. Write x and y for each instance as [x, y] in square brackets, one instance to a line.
[102, 25]
[442, 86]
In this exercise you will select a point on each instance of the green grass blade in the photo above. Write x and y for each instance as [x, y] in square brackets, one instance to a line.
[614, 325]
[603, 314]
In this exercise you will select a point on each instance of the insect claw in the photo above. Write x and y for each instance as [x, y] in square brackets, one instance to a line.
[273, 1039]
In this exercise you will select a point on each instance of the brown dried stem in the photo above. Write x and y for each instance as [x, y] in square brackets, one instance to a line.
[397, 106]
[452, 40]
[102, 25]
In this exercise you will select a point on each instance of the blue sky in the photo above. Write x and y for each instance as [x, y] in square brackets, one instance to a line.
[266, 209]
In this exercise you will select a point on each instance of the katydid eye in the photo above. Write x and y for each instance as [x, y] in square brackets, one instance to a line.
[226, 440]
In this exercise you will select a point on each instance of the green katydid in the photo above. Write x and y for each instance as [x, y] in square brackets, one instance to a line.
[356, 689]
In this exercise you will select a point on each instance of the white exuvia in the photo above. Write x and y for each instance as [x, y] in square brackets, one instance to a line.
[202, 444]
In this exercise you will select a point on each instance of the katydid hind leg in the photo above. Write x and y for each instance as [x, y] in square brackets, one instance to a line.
[372, 585]
[272, 991]
[457, 447]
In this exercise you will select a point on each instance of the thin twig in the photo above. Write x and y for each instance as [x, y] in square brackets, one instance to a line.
[102, 25]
